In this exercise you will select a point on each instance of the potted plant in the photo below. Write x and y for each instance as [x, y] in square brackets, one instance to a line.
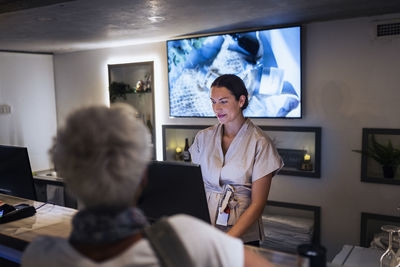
[119, 89]
[386, 155]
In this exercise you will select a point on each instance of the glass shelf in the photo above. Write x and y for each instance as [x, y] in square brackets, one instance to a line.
[125, 81]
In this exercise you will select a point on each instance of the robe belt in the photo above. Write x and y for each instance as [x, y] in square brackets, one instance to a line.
[228, 191]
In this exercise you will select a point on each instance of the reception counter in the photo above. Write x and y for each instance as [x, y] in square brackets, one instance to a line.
[56, 221]
[358, 256]
[49, 220]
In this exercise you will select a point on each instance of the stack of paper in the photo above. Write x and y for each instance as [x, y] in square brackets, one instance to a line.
[285, 233]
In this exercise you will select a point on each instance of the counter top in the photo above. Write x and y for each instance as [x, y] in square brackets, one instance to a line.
[48, 175]
[353, 256]
[49, 220]
[56, 221]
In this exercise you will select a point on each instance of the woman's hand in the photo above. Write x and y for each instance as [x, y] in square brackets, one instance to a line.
[259, 197]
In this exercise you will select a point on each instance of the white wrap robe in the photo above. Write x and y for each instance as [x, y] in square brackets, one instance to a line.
[250, 156]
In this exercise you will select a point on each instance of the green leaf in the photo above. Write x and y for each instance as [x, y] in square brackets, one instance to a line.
[386, 155]
[119, 90]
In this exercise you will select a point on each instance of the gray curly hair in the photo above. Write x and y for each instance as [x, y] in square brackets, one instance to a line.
[102, 154]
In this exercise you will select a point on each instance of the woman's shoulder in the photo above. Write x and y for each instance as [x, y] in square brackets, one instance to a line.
[208, 131]
[211, 246]
[184, 225]
[258, 133]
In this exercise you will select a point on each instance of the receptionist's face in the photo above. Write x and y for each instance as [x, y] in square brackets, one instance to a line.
[225, 105]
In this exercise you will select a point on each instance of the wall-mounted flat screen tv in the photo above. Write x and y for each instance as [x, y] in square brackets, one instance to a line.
[268, 61]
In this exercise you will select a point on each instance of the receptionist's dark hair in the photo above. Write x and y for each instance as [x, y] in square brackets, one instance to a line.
[234, 84]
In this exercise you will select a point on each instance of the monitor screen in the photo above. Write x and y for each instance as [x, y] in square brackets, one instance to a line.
[174, 188]
[268, 61]
[15, 172]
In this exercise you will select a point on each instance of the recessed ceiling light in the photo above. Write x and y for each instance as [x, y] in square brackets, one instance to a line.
[156, 19]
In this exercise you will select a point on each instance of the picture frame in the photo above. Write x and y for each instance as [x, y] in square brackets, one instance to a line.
[371, 170]
[371, 224]
[292, 143]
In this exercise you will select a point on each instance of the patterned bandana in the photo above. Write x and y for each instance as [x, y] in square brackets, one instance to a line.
[96, 226]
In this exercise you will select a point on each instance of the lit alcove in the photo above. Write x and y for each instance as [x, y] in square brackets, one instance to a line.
[133, 83]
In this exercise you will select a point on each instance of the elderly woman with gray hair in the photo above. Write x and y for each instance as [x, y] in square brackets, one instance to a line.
[102, 154]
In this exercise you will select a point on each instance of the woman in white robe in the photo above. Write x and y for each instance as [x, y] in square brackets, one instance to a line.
[238, 161]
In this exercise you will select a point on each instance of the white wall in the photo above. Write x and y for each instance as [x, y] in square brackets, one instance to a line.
[82, 78]
[27, 85]
[350, 81]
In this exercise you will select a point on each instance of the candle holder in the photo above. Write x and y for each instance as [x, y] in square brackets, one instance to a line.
[307, 164]
[178, 153]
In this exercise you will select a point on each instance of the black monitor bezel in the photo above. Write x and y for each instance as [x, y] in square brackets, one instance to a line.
[174, 188]
[24, 170]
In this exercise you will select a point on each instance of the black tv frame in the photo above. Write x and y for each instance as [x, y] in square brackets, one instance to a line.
[302, 105]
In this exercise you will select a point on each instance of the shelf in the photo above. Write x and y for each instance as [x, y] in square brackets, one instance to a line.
[371, 170]
[288, 225]
[124, 79]
[291, 142]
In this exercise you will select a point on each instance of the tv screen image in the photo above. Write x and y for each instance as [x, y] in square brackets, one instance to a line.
[268, 61]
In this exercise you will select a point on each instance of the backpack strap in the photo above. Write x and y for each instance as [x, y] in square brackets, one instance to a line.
[167, 245]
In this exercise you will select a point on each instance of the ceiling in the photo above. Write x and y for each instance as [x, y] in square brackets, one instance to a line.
[59, 26]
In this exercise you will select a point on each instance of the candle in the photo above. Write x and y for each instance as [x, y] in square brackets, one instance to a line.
[307, 157]
[178, 150]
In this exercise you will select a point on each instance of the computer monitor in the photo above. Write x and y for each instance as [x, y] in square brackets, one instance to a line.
[15, 172]
[174, 188]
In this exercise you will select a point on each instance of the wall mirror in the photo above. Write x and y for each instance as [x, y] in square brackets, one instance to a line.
[133, 83]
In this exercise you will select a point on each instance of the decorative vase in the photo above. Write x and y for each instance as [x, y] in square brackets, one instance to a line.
[388, 171]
